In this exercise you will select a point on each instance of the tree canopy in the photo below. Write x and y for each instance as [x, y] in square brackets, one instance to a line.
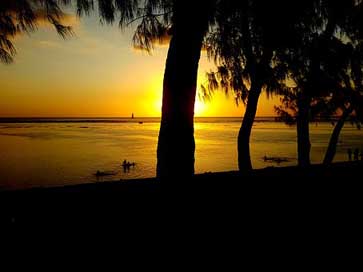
[24, 16]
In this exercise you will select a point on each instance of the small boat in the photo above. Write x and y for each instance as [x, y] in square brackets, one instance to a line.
[104, 174]
[277, 160]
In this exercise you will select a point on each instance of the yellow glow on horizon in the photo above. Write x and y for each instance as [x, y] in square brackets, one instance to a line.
[200, 108]
[96, 74]
[156, 109]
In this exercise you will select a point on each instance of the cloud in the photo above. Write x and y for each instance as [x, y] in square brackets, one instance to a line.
[41, 21]
[160, 42]
[66, 19]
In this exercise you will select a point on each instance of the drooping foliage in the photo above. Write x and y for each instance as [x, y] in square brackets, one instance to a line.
[24, 16]
[246, 44]
[325, 67]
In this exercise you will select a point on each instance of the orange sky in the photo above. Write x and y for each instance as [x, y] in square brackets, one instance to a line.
[95, 73]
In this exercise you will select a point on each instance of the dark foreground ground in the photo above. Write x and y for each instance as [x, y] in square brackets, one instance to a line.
[281, 217]
[227, 200]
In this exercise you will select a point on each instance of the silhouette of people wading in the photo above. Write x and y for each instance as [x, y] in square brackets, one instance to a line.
[127, 165]
[350, 154]
[356, 154]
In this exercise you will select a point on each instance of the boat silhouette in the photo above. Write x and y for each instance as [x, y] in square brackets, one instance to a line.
[104, 174]
[277, 160]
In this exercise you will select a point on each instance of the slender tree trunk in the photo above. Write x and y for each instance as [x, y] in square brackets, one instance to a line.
[176, 146]
[332, 147]
[303, 132]
[244, 158]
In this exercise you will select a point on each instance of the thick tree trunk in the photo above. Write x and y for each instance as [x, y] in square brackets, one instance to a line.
[244, 158]
[303, 132]
[176, 146]
[332, 147]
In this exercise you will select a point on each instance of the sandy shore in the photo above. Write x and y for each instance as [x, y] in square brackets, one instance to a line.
[141, 201]
[344, 170]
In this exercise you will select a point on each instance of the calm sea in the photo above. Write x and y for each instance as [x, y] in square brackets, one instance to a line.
[51, 152]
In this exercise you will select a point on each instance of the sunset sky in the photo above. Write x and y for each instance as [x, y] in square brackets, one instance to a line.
[95, 73]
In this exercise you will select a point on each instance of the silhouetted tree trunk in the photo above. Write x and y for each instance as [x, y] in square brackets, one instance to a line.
[244, 157]
[303, 133]
[176, 146]
[258, 75]
[332, 147]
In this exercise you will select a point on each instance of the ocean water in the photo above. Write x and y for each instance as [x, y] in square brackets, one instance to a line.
[54, 152]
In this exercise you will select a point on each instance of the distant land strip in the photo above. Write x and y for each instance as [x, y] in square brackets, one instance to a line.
[141, 119]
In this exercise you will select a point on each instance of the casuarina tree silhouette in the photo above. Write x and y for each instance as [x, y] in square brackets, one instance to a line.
[186, 22]
[338, 95]
[317, 63]
[176, 145]
[347, 97]
[246, 45]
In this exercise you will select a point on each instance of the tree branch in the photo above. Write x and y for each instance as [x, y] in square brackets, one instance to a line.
[147, 15]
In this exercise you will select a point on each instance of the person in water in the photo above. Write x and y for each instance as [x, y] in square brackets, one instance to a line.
[356, 154]
[127, 165]
[350, 152]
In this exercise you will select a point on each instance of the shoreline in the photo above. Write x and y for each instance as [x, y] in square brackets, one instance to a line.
[136, 204]
[284, 173]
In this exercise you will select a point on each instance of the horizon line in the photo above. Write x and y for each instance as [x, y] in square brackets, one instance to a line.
[123, 117]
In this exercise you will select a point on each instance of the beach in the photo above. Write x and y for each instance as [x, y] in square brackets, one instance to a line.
[132, 204]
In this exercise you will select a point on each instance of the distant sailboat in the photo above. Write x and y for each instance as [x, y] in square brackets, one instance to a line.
[132, 116]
